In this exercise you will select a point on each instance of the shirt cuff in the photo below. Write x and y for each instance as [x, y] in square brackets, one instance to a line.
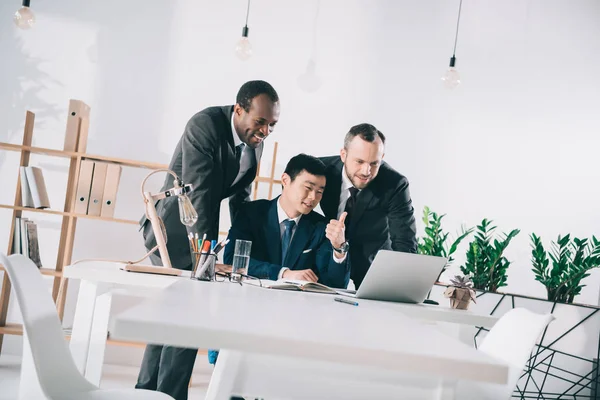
[339, 260]
[281, 271]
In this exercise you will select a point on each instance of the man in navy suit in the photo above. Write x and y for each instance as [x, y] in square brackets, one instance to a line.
[289, 239]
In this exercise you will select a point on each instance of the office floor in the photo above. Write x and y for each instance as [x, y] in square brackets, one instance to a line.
[113, 377]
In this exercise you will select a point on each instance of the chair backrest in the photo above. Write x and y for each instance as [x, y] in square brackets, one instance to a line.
[513, 338]
[54, 365]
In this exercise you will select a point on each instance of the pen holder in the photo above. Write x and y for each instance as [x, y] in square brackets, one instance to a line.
[203, 266]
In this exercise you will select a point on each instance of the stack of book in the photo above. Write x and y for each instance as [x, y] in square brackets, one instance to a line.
[25, 240]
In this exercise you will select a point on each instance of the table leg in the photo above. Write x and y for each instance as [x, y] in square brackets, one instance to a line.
[82, 323]
[226, 370]
[98, 336]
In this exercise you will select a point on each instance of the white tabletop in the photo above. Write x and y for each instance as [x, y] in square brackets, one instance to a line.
[110, 272]
[294, 324]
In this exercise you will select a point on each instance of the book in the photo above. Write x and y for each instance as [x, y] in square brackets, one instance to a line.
[33, 188]
[26, 199]
[16, 248]
[293, 284]
[23, 233]
[32, 239]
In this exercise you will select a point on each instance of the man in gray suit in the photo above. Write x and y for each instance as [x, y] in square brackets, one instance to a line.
[218, 154]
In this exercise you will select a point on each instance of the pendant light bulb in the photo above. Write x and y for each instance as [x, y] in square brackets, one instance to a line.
[309, 81]
[243, 48]
[24, 17]
[451, 78]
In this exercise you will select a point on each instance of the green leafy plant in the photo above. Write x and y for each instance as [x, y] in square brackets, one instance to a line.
[571, 262]
[486, 265]
[434, 241]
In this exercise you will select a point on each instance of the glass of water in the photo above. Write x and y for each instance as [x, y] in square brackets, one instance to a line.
[241, 259]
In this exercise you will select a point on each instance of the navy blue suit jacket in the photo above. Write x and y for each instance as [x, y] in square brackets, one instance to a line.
[258, 222]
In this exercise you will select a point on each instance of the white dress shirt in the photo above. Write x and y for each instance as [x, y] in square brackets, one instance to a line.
[345, 192]
[246, 157]
[281, 217]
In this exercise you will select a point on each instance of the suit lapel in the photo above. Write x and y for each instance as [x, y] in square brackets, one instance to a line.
[363, 200]
[273, 234]
[301, 237]
[331, 197]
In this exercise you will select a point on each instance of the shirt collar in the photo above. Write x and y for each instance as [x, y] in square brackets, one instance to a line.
[346, 182]
[282, 216]
[236, 139]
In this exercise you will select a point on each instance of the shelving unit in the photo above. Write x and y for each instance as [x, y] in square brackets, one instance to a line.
[77, 127]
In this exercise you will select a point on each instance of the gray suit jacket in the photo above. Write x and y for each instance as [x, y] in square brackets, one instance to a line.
[205, 158]
[383, 216]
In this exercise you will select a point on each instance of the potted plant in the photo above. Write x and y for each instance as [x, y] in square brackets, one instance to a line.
[460, 292]
[434, 241]
[486, 265]
[571, 262]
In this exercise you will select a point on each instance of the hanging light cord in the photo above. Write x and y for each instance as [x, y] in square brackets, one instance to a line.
[457, 25]
[248, 12]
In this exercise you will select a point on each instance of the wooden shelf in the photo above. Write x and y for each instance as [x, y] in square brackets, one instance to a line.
[35, 210]
[110, 219]
[125, 162]
[12, 329]
[38, 150]
[73, 154]
[54, 212]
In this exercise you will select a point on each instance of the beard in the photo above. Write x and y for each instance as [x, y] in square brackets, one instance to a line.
[356, 181]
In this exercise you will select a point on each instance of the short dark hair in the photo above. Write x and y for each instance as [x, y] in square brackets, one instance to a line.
[251, 89]
[304, 162]
[366, 131]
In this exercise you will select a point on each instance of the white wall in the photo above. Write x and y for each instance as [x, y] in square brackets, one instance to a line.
[517, 142]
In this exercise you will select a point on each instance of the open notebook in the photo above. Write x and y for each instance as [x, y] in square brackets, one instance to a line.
[293, 284]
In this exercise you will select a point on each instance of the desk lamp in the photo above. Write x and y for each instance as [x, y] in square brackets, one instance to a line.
[187, 216]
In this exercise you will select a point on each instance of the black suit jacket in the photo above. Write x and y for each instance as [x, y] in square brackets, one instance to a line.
[383, 217]
[258, 222]
[205, 158]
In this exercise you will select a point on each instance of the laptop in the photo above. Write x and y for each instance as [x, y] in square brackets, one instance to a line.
[400, 277]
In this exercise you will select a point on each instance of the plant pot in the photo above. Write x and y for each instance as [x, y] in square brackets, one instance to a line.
[459, 298]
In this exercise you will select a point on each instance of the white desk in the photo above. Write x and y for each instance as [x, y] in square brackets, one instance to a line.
[99, 280]
[320, 340]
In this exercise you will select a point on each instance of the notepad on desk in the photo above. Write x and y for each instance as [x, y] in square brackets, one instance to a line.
[294, 284]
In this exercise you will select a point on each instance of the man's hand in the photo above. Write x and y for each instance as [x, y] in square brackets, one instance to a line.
[223, 268]
[301, 275]
[335, 231]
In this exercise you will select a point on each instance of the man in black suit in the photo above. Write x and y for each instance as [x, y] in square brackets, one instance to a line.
[375, 196]
[218, 154]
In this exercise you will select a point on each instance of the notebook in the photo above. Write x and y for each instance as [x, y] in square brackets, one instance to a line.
[293, 284]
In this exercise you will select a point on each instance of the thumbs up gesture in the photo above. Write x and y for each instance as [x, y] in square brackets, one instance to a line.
[335, 231]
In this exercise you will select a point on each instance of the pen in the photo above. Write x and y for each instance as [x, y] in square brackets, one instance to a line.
[341, 300]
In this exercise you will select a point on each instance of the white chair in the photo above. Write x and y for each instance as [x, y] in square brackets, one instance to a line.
[57, 374]
[511, 340]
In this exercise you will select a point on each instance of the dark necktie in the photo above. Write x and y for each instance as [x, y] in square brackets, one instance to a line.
[350, 205]
[286, 238]
[238, 152]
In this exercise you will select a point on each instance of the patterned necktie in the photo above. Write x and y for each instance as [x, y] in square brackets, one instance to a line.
[350, 204]
[286, 238]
